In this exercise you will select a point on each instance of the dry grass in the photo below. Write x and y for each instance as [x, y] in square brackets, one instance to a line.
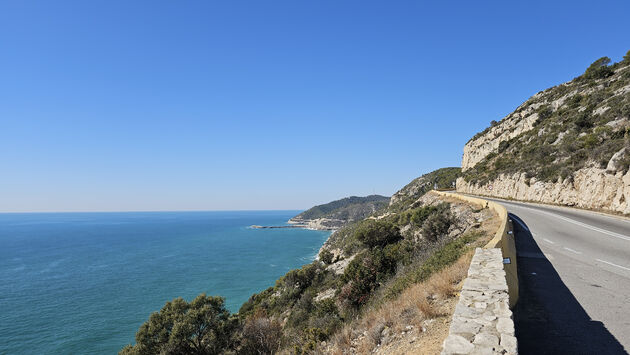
[418, 303]
[343, 338]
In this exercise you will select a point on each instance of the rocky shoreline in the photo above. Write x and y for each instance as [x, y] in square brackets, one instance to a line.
[323, 224]
[275, 227]
[295, 225]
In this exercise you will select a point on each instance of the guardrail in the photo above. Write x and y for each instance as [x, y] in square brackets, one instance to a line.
[503, 239]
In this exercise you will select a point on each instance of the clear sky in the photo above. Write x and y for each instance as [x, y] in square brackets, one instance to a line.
[213, 105]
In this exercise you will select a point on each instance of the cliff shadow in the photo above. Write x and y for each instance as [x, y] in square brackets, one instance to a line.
[548, 318]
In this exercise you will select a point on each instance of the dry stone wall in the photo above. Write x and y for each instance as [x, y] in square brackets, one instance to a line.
[482, 321]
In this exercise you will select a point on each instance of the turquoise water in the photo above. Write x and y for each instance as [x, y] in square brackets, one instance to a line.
[82, 283]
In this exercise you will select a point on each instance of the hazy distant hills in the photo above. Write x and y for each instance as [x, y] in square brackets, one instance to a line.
[337, 213]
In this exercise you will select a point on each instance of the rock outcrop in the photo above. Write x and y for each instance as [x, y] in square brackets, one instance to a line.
[590, 188]
[511, 126]
[318, 223]
[567, 145]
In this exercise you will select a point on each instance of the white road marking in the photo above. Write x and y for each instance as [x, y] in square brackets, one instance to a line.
[609, 263]
[572, 250]
[578, 210]
[603, 231]
[548, 241]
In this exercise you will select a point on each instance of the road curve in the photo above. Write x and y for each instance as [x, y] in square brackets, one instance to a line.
[574, 275]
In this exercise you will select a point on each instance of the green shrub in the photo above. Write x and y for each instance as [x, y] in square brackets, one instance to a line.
[310, 338]
[503, 146]
[300, 278]
[255, 301]
[437, 225]
[377, 233]
[441, 258]
[365, 273]
[360, 276]
[599, 69]
[574, 101]
[402, 252]
[326, 256]
[549, 173]
[544, 112]
[583, 121]
[590, 141]
[327, 307]
[203, 326]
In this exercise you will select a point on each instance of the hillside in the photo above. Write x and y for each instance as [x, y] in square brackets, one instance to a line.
[569, 144]
[336, 214]
[386, 283]
[330, 305]
[443, 178]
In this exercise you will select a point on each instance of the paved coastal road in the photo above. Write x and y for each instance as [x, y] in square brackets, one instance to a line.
[574, 275]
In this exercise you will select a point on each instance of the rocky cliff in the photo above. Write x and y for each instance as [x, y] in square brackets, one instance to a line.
[569, 144]
[589, 188]
[514, 124]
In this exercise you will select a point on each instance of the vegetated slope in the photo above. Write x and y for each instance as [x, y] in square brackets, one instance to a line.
[443, 178]
[569, 144]
[337, 213]
[363, 266]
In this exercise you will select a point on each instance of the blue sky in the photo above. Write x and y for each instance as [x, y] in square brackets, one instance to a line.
[188, 105]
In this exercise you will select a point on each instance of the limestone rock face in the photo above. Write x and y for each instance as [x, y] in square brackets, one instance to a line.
[616, 162]
[591, 188]
[511, 126]
[340, 266]
[572, 141]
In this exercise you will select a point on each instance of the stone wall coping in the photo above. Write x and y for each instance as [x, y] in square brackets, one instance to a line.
[482, 322]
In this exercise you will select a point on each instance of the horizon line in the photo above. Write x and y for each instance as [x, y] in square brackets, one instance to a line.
[153, 211]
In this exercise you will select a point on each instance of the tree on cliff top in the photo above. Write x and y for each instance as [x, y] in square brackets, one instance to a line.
[202, 326]
[599, 69]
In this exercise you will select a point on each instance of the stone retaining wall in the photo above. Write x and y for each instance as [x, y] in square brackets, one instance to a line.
[482, 321]
[503, 239]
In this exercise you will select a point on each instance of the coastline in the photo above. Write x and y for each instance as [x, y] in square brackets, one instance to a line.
[309, 224]
[255, 226]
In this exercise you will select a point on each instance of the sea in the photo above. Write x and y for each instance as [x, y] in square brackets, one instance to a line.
[82, 283]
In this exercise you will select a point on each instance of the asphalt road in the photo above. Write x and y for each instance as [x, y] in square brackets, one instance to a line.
[574, 276]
